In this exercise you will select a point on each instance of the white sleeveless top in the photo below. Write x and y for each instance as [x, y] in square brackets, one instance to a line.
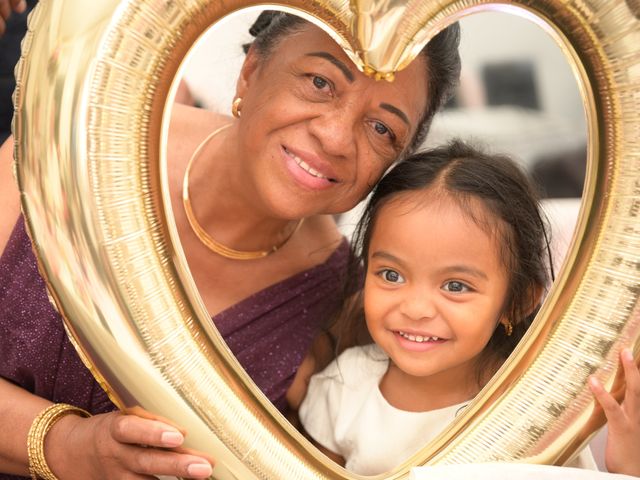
[345, 412]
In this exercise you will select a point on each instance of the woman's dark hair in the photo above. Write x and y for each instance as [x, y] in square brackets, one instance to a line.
[511, 211]
[441, 54]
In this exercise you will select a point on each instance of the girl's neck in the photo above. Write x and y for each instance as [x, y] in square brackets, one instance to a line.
[422, 394]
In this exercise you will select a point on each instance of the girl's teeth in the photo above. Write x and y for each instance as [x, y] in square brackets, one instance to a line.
[418, 338]
[305, 166]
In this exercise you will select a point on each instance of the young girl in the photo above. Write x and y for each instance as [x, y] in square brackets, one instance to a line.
[456, 257]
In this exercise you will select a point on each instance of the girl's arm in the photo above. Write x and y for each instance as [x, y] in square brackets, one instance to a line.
[105, 446]
[621, 451]
[339, 459]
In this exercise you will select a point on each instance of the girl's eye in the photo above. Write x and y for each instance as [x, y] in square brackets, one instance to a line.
[391, 276]
[455, 286]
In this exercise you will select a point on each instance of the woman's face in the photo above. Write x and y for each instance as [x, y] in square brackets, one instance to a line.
[316, 133]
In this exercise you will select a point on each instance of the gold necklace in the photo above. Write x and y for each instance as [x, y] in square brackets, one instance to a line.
[200, 232]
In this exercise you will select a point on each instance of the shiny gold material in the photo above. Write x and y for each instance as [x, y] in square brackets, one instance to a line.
[235, 107]
[38, 467]
[508, 328]
[201, 233]
[90, 131]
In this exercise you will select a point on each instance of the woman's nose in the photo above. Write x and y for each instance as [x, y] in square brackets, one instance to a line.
[336, 130]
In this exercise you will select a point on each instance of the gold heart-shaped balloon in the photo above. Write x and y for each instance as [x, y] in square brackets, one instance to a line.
[90, 132]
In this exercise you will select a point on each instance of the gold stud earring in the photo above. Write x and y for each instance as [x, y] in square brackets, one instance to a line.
[508, 328]
[235, 107]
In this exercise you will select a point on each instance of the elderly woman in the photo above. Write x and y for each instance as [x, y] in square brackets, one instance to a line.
[253, 196]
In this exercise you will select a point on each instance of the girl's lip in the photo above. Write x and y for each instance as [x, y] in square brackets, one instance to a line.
[419, 342]
[308, 169]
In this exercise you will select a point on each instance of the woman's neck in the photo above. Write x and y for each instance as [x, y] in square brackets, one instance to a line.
[226, 203]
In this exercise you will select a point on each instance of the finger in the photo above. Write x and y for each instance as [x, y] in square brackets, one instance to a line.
[151, 461]
[612, 409]
[5, 9]
[18, 6]
[632, 378]
[131, 429]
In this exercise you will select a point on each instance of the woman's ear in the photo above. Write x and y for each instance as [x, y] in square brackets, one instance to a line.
[248, 72]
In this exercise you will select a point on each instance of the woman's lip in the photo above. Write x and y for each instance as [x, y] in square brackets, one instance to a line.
[306, 175]
[311, 164]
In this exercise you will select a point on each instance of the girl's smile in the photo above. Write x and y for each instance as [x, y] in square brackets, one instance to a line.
[418, 342]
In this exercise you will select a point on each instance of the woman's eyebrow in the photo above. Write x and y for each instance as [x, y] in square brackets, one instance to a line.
[343, 68]
[396, 111]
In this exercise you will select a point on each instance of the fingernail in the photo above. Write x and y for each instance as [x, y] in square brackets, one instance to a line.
[171, 439]
[199, 470]
[594, 382]
[627, 355]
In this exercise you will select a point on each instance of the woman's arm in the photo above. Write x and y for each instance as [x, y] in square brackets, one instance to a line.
[105, 446]
[9, 194]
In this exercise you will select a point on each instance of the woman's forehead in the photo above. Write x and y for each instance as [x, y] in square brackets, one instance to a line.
[308, 38]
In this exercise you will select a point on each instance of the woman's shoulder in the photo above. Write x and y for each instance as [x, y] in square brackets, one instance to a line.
[9, 194]
[189, 120]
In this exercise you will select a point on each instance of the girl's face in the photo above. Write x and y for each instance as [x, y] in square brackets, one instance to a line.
[435, 287]
[316, 133]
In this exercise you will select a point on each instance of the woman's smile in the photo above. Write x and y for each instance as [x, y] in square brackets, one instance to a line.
[309, 170]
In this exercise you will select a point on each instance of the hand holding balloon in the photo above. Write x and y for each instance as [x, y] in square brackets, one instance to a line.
[621, 453]
[8, 6]
[114, 445]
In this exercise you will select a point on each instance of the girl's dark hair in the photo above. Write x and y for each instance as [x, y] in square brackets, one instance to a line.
[441, 54]
[511, 211]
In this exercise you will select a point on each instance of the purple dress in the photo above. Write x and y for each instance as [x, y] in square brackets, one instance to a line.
[269, 332]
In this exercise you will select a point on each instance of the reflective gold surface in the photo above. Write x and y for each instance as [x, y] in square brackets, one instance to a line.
[90, 130]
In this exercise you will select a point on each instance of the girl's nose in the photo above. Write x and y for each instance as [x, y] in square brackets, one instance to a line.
[336, 130]
[418, 305]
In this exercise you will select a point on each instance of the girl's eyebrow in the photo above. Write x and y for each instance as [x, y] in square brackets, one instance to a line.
[387, 256]
[465, 269]
[338, 63]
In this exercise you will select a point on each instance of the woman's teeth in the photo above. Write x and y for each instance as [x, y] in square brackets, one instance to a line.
[418, 338]
[305, 166]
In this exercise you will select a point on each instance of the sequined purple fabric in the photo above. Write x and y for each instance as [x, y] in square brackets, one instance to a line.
[269, 332]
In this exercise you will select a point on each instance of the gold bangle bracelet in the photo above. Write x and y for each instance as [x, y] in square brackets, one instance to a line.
[38, 467]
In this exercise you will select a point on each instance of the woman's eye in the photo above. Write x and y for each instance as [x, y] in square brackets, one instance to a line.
[319, 82]
[456, 287]
[391, 276]
[381, 128]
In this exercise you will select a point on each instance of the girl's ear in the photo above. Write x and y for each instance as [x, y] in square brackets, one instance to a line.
[536, 294]
[248, 72]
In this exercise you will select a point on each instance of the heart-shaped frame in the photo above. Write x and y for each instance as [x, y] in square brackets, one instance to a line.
[90, 128]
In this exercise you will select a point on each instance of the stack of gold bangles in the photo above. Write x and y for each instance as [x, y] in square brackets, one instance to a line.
[38, 467]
